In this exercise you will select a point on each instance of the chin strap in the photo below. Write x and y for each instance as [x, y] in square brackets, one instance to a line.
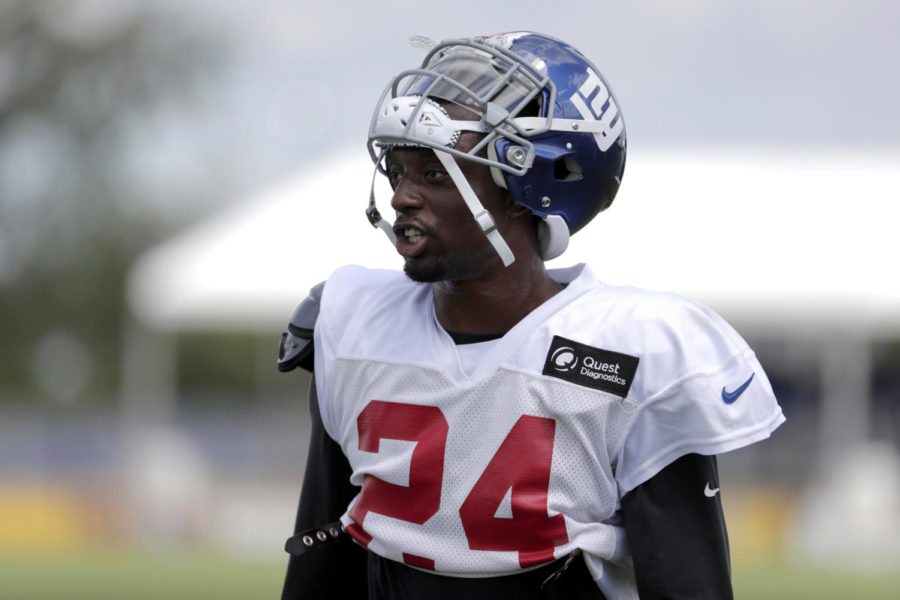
[372, 211]
[482, 216]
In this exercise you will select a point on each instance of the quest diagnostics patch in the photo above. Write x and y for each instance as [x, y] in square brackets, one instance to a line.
[591, 367]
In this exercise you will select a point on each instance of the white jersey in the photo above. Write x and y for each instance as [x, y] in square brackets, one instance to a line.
[487, 465]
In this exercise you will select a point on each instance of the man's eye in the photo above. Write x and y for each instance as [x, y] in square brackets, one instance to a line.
[435, 174]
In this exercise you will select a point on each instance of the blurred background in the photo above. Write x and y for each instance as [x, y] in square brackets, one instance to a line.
[174, 177]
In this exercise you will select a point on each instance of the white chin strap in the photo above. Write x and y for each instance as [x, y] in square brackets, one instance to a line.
[482, 216]
[553, 233]
[420, 121]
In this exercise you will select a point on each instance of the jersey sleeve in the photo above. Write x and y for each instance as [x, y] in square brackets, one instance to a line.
[702, 390]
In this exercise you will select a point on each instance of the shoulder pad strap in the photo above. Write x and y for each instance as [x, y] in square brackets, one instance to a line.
[296, 349]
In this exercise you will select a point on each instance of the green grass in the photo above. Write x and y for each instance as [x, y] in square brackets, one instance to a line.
[138, 576]
[781, 582]
[135, 575]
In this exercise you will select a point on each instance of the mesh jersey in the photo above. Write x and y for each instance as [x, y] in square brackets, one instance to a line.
[525, 457]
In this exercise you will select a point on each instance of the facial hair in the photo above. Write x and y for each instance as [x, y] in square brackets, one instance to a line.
[451, 266]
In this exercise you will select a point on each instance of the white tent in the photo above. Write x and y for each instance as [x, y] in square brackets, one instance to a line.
[799, 246]
[768, 238]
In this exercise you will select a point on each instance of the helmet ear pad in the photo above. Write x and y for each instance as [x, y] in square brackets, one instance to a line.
[553, 236]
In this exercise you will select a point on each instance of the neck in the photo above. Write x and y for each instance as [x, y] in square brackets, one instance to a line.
[494, 303]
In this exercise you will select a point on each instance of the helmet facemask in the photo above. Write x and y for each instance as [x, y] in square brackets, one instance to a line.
[500, 88]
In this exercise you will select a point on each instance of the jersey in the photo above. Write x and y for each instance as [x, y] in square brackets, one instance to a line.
[488, 467]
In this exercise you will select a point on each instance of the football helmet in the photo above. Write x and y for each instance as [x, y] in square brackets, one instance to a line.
[553, 132]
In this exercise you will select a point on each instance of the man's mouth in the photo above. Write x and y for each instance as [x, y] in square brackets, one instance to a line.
[410, 240]
[412, 234]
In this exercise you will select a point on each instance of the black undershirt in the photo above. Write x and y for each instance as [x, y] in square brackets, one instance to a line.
[461, 339]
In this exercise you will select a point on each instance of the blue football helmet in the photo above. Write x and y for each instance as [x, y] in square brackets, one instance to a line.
[553, 132]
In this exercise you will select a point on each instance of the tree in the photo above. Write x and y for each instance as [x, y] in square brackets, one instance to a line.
[80, 85]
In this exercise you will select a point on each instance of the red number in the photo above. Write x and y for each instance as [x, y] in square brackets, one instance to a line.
[417, 503]
[522, 463]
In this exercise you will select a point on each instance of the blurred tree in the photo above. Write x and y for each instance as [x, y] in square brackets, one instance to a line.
[80, 82]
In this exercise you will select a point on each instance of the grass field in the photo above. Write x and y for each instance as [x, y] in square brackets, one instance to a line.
[138, 576]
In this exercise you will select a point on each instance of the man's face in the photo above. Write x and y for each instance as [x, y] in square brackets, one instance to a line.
[436, 232]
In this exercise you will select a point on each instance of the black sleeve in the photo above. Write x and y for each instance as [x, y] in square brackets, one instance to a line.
[337, 568]
[676, 532]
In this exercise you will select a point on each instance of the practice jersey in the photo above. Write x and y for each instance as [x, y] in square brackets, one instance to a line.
[487, 467]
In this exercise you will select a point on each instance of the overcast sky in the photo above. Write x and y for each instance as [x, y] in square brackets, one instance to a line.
[303, 77]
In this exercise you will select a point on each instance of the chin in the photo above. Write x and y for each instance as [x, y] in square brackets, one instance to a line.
[450, 268]
[422, 273]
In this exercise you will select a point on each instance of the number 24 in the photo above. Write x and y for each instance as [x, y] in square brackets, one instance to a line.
[522, 462]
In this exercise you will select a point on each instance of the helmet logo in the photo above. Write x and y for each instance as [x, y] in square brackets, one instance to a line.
[429, 119]
[594, 102]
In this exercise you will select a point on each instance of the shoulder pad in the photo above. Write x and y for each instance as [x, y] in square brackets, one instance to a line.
[296, 349]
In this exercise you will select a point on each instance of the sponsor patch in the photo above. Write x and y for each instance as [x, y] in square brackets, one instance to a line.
[591, 367]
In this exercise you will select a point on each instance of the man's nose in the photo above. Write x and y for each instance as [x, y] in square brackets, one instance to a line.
[407, 195]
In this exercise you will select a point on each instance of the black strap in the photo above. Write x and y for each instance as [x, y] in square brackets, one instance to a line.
[313, 538]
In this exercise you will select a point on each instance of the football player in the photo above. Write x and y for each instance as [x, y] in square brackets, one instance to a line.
[484, 427]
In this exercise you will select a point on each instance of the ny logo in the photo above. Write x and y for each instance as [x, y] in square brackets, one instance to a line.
[594, 103]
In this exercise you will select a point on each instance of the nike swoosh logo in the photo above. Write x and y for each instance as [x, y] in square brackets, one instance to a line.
[709, 492]
[730, 397]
